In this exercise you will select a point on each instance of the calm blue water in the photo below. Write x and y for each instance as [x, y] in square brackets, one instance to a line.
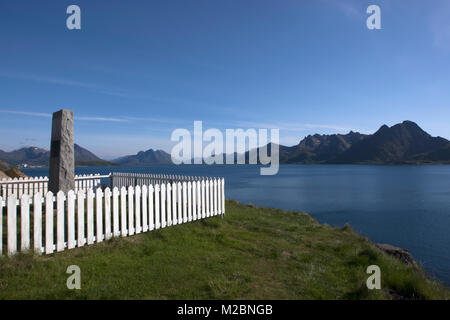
[406, 206]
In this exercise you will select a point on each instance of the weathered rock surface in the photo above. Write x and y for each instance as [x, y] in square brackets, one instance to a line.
[399, 253]
[62, 159]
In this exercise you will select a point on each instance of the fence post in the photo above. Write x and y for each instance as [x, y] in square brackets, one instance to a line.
[169, 205]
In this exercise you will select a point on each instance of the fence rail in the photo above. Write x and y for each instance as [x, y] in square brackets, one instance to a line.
[50, 223]
[31, 186]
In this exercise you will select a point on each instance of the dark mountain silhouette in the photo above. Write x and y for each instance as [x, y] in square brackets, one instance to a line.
[29, 155]
[145, 158]
[84, 157]
[33, 156]
[405, 142]
[320, 148]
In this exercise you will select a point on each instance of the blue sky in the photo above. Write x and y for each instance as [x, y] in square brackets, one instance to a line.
[139, 69]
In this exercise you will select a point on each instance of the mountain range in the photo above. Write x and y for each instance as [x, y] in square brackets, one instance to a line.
[33, 156]
[143, 158]
[403, 143]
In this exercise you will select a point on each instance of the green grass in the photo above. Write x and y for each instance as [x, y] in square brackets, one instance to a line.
[253, 253]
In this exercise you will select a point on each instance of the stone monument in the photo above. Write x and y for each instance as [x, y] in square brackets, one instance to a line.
[62, 162]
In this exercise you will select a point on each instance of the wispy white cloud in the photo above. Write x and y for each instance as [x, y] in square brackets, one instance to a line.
[48, 115]
[27, 113]
[349, 7]
[66, 82]
[440, 25]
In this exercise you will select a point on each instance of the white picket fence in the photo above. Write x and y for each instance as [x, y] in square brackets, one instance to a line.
[31, 186]
[87, 217]
[120, 179]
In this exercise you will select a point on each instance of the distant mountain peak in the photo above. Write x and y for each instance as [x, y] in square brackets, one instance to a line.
[145, 158]
[35, 156]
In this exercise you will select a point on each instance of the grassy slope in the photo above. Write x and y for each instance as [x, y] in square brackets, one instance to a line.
[254, 253]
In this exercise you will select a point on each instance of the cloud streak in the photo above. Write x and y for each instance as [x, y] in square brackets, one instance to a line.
[65, 82]
[48, 115]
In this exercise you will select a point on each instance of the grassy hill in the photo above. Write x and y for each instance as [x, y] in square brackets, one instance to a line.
[253, 253]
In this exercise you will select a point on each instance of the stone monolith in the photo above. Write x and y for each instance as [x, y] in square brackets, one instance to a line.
[62, 161]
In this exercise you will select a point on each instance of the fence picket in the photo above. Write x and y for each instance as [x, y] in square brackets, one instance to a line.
[194, 200]
[185, 217]
[151, 214]
[174, 204]
[49, 223]
[207, 197]
[130, 211]
[115, 195]
[203, 200]
[80, 218]
[60, 197]
[137, 209]
[123, 211]
[25, 222]
[99, 215]
[169, 204]
[37, 221]
[90, 216]
[157, 212]
[144, 209]
[215, 197]
[70, 219]
[12, 224]
[199, 205]
[1, 224]
[189, 200]
[163, 206]
[211, 198]
[107, 195]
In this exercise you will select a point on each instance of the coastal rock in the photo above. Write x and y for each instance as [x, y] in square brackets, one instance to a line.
[3, 175]
[399, 253]
[15, 173]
